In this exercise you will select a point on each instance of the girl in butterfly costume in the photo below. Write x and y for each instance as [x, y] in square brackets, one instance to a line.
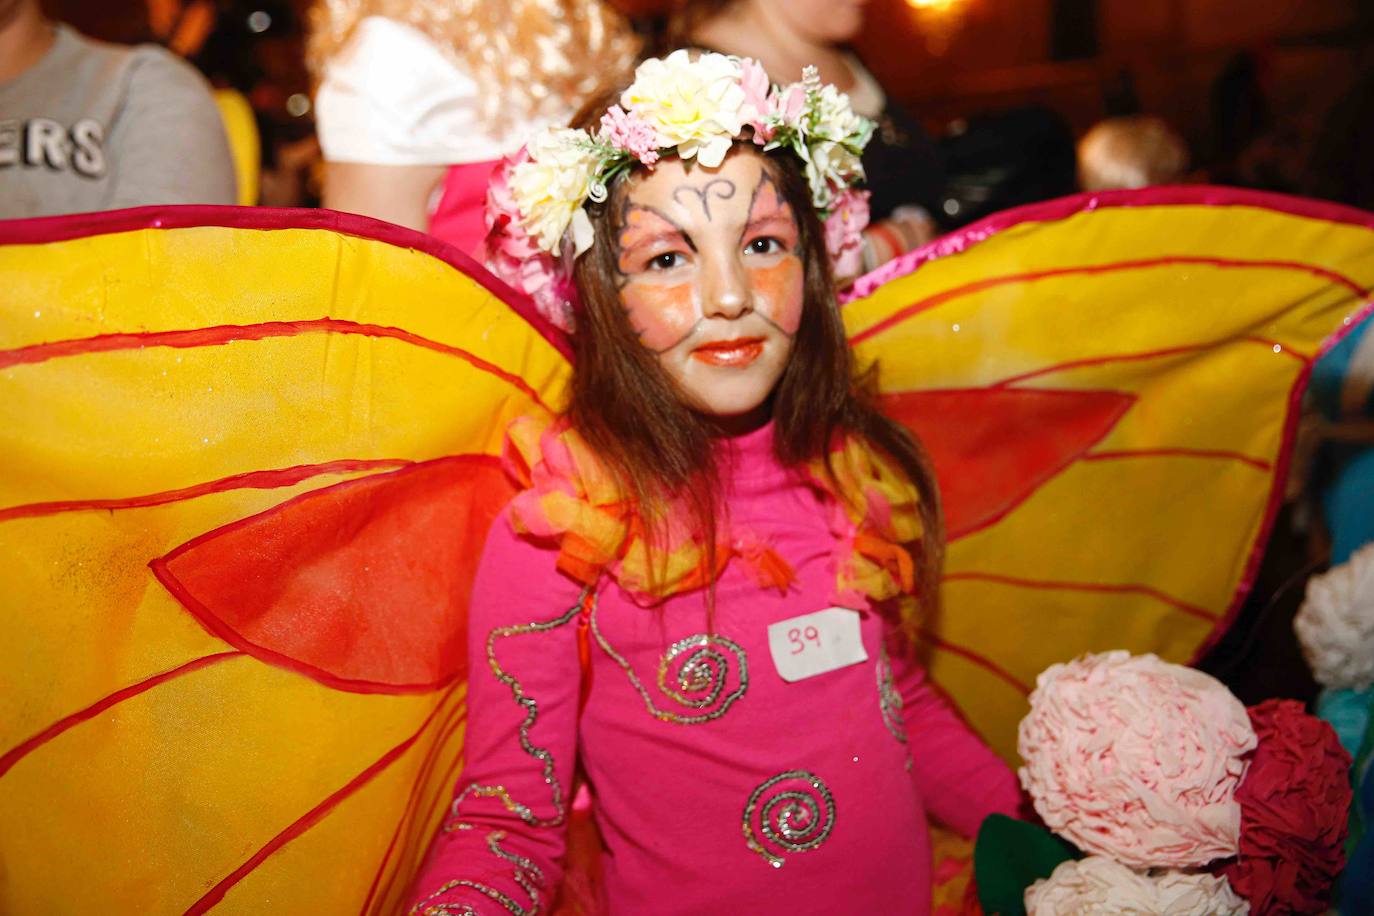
[703, 598]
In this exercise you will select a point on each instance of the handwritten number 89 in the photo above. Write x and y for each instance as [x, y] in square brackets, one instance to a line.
[796, 636]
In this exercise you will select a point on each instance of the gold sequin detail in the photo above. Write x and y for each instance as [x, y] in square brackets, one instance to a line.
[795, 813]
[543, 755]
[527, 875]
[698, 667]
[889, 700]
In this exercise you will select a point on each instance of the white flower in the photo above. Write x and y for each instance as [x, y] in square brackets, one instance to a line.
[1097, 885]
[551, 187]
[1336, 623]
[830, 166]
[834, 118]
[694, 105]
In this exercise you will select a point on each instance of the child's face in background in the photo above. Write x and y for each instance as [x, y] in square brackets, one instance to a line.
[712, 280]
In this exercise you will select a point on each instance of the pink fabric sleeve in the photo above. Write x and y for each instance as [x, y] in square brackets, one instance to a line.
[959, 777]
[512, 797]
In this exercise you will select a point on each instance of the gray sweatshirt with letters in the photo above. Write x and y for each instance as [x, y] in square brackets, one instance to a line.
[96, 126]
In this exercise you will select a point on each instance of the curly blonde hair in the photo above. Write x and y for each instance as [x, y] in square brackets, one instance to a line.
[529, 58]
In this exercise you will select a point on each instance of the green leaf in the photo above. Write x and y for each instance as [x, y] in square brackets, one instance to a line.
[1009, 857]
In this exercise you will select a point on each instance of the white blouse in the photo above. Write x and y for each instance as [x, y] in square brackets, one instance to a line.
[392, 97]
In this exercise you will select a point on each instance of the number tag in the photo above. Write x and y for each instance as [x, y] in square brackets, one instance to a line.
[815, 643]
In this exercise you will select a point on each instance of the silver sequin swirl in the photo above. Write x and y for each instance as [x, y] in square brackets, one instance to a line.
[791, 813]
[527, 875]
[693, 674]
[889, 699]
[531, 707]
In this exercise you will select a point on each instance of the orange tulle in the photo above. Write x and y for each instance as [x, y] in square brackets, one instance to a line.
[570, 498]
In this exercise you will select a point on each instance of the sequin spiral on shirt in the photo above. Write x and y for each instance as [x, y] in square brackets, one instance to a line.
[889, 699]
[792, 812]
[527, 875]
[527, 703]
[693, 674]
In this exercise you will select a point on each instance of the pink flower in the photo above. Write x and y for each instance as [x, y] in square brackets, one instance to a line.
[757, 102]
[514, 255]
[1137, 759]
[767, 106]
[790, 102]
[844, 229]
[630, 133]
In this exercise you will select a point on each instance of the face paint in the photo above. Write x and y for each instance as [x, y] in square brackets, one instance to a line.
[661, 311]
[779, 286]
[713, 283]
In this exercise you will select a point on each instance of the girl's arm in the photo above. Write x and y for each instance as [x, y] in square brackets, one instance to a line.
[399, 194]
[501, 845]
[959, 777]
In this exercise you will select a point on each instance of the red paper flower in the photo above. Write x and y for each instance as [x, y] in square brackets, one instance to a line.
[1294, 803]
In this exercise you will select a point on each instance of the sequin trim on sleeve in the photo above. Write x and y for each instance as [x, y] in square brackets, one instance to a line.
[531, 707]
[693, 673]
[527, 875]
[791, 813]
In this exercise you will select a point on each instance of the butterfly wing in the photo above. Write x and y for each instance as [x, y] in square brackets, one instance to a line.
[1108, 386]
[249, 462]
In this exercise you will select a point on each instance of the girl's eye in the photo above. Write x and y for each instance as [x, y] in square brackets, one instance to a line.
[764, 245]
[666, 261]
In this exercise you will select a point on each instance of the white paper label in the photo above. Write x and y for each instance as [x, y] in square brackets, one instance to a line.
[815, 643]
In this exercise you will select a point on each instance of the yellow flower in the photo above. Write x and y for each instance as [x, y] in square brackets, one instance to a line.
[694, 105]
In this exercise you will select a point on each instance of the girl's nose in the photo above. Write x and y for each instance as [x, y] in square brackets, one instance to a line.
[726, 293]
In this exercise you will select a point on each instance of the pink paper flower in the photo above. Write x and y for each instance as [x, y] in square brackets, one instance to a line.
[514, 255]
[844, 232]
[1137, 759]
[633, 135]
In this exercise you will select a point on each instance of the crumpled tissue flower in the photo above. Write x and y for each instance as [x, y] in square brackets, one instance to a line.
[1136, 759]
[1335, 624]
[1295, 804]
[1097, 885]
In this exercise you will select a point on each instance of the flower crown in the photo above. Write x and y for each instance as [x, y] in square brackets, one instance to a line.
[696, 109]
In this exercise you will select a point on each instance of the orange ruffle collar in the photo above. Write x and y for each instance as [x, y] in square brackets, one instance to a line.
[569, 499]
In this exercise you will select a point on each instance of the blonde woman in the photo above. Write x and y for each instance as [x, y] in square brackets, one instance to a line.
[418, 99]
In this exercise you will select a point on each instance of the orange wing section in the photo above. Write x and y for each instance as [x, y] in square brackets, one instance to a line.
[249, 462]
[1107, 386]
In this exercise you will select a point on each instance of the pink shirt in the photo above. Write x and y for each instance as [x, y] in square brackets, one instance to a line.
[716, 783]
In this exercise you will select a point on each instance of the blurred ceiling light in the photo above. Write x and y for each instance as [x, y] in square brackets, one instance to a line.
[298, 104]
[938, 20]
[259, 21]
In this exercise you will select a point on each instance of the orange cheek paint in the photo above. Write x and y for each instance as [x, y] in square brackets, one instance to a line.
[661, 315]
[778, 293]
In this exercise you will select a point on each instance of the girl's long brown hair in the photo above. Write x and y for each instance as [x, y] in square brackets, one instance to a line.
[659, 450]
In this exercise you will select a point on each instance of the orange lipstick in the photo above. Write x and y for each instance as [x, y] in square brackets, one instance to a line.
[735, 354]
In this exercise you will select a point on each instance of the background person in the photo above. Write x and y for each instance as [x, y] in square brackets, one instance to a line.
[86, 125]
[418, 99]
[1131, 152]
